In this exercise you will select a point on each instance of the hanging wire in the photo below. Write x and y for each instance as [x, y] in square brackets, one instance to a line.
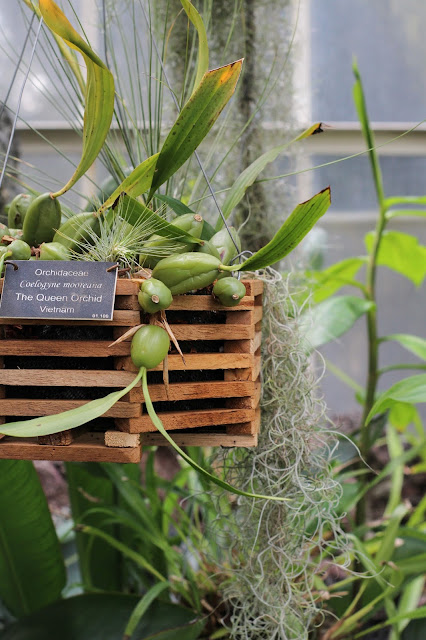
[203, 171]
[6, 158]
[15, 73]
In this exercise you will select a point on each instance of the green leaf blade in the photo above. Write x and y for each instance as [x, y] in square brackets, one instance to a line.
[402, 253]
[71, 419]
[333, 317]
[411, 390]
[249, 175]
[32, 570]
[203, 47]
[99, 98]
[333, 278]
[195, 121]
[294, 229]
[414, 344]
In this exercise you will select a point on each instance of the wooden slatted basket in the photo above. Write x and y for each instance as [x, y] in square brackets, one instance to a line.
[212, 398]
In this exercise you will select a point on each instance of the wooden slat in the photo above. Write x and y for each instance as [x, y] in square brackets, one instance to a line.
[35, 408]
[89, 447]
[186, 419]
[65, 378]
[126, 287]
[120, 319]
[197, 361]
[212, 331]
[207, 303]
[64, 348]
[195, 390]
[249, 428]
[253, 287]
[127, 302]
[201, 440]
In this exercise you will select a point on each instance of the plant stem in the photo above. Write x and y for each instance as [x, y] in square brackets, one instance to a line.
[373, 343]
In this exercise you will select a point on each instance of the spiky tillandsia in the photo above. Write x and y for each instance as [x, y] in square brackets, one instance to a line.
[119, 241]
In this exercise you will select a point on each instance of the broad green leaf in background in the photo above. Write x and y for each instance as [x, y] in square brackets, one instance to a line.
[361, 107]
[99, 92]
[415, 344]
[100, 564]
[249, 175]
[138, 214]
[294, 229]
[136, 183]
[402, 414]
[71, 419]
[203, 48]
[335, 277]
[411, 390]
[99, 616]
[401, 252]
[333, 317]
[195, 121]
[32, 570]
[180, 208]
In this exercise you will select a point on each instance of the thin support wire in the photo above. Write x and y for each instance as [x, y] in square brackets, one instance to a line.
[203, 171]
[3, 106]
[6, 158]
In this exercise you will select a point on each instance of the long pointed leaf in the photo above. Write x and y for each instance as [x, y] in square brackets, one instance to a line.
[203, 48]
[99, 98]
[361, 107]
[68, 419]
[291, 233]
[195, 121]
[249, 175]
[220, 483]
[32, 571]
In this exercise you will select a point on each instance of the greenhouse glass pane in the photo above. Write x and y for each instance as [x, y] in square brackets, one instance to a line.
[352, 185]
[388, 41]
[44, 90]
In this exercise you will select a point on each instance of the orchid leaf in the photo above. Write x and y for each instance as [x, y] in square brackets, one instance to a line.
[71, 419]
[203, 48]
[99, 92]
[203, 472]
[294, 229]
[136, 183]
[249, 175]
[195, 121]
